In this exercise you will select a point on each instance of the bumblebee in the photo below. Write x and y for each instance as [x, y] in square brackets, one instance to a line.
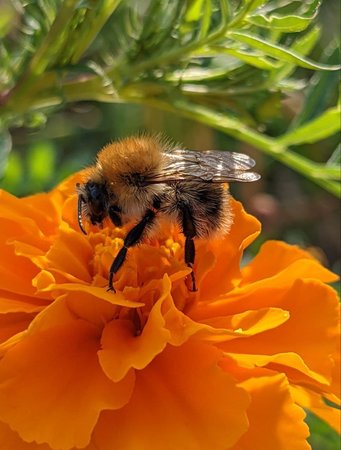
[143, 179]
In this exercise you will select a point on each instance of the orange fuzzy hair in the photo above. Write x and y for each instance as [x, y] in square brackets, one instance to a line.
[134, 155]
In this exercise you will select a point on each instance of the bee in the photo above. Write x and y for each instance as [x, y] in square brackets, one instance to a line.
[144, 179]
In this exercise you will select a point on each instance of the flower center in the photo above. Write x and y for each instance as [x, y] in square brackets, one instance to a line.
[140, 277]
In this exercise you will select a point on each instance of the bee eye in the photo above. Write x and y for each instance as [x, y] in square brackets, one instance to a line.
[95, 191]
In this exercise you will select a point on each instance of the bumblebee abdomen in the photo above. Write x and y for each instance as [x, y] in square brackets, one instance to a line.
[208, 205]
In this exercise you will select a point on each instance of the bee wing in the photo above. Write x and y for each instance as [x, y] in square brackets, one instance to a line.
[211, 165]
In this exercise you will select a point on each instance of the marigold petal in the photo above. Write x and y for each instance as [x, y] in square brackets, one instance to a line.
[16, 272]
[336, 376]
[312, 331]
[22, 215]
[11, 302]
[10, 440]
[290, 363]
[314, 402]
[71, 253]
[250, 323]
[45, 209]
[276, 422]
[95, 291]
[182, 400]
[276, 256]
[52, 375]
[267, 292]
[122, 349]
[224, 257]
[11, 324]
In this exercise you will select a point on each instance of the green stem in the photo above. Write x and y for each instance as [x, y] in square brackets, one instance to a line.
[54, 41]
[90, 27]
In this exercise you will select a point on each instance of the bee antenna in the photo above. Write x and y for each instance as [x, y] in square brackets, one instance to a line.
[80, 210]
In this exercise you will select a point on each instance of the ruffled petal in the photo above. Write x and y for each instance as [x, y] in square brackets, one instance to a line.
[52, 388]
[315, 403]
[182, 400]
[311, 332]
[10, 440]
[275, 421]
[16, 272]
[276, 256]
[11, 324]
[218, 261]
[125, 347]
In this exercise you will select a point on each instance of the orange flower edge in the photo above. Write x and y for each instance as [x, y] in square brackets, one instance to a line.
[154, 365]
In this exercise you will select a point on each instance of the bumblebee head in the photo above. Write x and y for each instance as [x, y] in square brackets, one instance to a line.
[93, 199]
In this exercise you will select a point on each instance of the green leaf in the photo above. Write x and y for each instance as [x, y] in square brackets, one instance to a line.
[206, 19]
[288, 22]
[194, 11]
[247, 7]
[7, 17]
[322, 127]
[91, 26]
[302, 45]
[322, 437]
[5, 148]
[200, 74]
[335, 158]
[320, 91]
[277, 51]
[254, 58]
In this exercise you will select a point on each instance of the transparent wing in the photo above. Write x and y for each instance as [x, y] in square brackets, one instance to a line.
[211, 165]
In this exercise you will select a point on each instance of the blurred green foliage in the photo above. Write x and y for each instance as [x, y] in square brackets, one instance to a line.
[322, 438]
[223, 63]
[263, 74]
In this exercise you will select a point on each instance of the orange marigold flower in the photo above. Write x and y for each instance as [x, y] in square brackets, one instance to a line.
[228, 367]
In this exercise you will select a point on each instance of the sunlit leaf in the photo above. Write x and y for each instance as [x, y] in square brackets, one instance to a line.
[288, 24]
[254, 58]
[285, 22]
[322, 127]
[277, 51]
[302, 45]
[206, 19]
[194, 10]
[201, 74]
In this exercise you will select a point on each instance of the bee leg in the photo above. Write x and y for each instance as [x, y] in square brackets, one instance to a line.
[189, 231]
[189, 259]
[114, 215]
[133, 237]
